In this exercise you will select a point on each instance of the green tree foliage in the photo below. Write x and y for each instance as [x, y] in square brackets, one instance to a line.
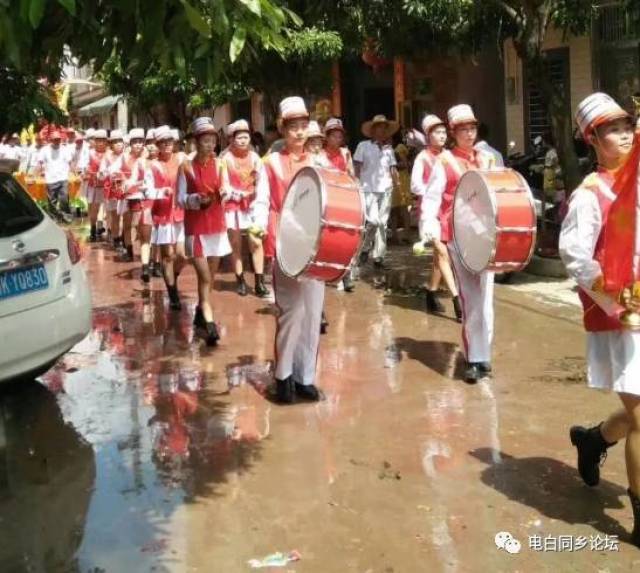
[23, 100]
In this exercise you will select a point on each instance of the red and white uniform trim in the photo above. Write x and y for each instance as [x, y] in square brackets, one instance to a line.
[161, 181]
[94, 179]
[613, 353]
[205, 229]
[239, 180]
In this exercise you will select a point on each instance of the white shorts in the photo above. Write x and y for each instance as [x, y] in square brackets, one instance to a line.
[214, 245]
[168, 234]
[111, 205]
[240, 220]
[431, 228]
[613, 360]
[94, 194]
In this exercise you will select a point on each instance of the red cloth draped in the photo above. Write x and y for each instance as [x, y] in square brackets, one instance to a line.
[620, 229]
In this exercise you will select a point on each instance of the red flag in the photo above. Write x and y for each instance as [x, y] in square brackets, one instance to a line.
[620, 229]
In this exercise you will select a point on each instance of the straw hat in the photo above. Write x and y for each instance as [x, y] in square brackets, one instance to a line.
[237, 127]
[116, 135]
[430, 121]
[90, 133]
[596, 109]
[459, 114]
[100, 134]
[390, 126]
[313, 130]
[151, 135]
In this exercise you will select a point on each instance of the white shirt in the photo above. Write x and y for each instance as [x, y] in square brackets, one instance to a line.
[484, 146]
[376, 163]
[55, 163]
[13, 152]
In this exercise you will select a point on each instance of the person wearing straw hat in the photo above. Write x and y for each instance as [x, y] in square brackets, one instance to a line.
[314, 144]
[151, 153]
[299, 302]
[435, 131]
[111, 166]
[199, 194]
[375, 166]
[241, 168]
[601, 252]
[135, 210]
[161, 182]
[476, 290]
[55, 161]
[95, 180]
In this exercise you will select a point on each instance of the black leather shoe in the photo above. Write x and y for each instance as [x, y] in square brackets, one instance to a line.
[347, 283]
[241, 289]
[592, 451]
[285, 391]
[307, 392]
[156, 271]
[457, 308]
[260, 289]
[198, 318]
[146, 277]
[473, 373]
[434, 306]
[379, 265]
[485, 367]
[212, 334]
[174, 298]
[324, 324]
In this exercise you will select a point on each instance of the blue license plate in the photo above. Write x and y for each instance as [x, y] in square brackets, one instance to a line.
[21, 281]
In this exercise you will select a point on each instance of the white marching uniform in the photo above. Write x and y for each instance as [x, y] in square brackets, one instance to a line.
[476, 290]
[613, 356]
[168, 226]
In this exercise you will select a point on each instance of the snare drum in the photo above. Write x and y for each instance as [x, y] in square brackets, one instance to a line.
[494, 221]
[321, 225]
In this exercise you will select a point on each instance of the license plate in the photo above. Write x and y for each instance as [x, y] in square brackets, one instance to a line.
[21, 281]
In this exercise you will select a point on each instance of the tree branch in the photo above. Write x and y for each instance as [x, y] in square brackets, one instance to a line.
[509, 10]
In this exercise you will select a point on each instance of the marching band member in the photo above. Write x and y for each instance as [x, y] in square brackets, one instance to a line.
[95, 179]
[435, 132]
[375, 166]
[151, 153]
[199, 185]
[111, 166]
[336, 152]
[338, 156]
[315, 144]
[299, 302]
[135, 210]
[168, 217]
[476, 290]
[600, 248]
[241, 167]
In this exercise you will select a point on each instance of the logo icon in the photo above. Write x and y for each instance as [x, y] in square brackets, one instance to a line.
[18, 246]
[507, 542]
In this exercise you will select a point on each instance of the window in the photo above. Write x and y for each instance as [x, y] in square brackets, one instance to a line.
[537, 121]
[18, 212]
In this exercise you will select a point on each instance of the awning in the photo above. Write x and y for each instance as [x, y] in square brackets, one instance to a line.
[99, 106]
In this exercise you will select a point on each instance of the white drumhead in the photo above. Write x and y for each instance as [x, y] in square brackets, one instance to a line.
[474, 222]
[300, 222]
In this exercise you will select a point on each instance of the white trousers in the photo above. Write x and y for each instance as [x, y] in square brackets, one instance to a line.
[298, 326]
[378, 209]
[476, 297]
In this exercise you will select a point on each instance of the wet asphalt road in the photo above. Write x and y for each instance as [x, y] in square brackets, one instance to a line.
[144, 450]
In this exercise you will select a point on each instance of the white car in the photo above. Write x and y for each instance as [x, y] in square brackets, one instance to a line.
[45, 300]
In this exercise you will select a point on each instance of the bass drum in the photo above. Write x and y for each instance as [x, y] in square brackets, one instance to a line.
[321, 225]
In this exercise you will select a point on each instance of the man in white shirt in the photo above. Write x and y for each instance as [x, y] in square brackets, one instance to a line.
[30, 162]
[13, 149]
[54, 161]
[375, 167]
